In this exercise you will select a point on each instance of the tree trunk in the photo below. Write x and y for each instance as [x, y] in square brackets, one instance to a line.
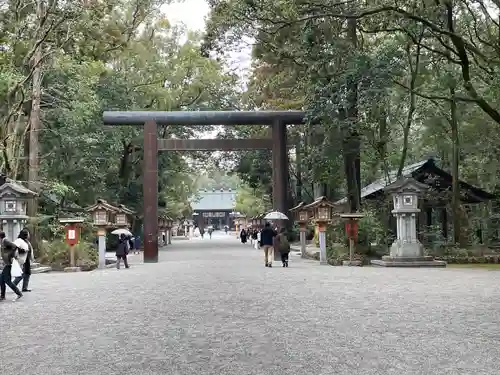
[414, 71]
[35, 125]
[298, 169]
[455, 142]
[352, 143]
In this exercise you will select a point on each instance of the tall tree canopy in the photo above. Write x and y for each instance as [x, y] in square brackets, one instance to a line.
[384, 84]
[63, 63]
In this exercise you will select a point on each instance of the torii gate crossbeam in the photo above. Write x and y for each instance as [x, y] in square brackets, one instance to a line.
[278, 120]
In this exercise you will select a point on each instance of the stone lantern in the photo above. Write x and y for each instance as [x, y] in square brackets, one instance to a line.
[168, 224]
[302, 217]
[322, 210]
[102, 217]
[122, 216]
[161, 222]
[13, 204]
[406, 250]
[161, 227]
[102, 213]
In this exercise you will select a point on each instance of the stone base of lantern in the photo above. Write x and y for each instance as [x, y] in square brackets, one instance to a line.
[352, 263]
[404, 254]
[399, 261]
[72, 269]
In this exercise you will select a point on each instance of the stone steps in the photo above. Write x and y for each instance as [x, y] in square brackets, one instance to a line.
[35, 268]
[38, 268]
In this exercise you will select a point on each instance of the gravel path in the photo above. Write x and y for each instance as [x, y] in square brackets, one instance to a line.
[211, 307]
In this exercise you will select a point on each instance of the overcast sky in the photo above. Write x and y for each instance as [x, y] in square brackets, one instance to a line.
[192, 14]
[189, 12]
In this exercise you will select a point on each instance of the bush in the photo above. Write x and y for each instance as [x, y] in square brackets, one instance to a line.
[57, 255]
[451, 259]
[337, 251]
[335, 255]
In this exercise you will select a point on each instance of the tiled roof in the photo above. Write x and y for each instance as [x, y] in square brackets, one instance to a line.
[382, 182]
[214, 200]
[13, 185]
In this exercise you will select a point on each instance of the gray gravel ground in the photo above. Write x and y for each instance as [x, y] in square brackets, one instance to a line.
[211, 307]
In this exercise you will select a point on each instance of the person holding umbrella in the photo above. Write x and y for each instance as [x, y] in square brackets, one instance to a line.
[123, 247]
[122, 251]
[266, 240]
[268, 234]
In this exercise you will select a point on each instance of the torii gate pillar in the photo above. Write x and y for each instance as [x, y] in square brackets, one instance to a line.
[280, 167]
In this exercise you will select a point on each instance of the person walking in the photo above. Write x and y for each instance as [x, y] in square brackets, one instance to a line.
[122, 252]
[254, 236]
[266, 241]
[9, 253]
[243, 236]
[25, 259]
[210, 231]
[283, 246]
[257, 241]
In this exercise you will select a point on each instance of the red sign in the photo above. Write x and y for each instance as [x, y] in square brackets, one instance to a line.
[351, 229]
[72, 234]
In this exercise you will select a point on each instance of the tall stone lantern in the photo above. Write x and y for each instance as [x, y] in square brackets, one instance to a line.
[123, 216]
[168, 225]
[13, 203]
[103, 217]
[322, 209]
[302, 217]
[406, 250]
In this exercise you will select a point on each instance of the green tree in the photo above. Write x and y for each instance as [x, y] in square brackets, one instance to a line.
[251, 202]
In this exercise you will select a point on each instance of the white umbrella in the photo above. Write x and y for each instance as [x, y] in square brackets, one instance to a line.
[275, 215]
[120, 231]
[20, 243]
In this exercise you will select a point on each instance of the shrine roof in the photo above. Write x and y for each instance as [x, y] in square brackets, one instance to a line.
[427, 172]
[7, 183]
[214, 200]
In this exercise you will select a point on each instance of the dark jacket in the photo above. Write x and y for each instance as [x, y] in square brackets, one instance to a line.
[121, 250]
[281, 243]
[8, 250]
[266, 236]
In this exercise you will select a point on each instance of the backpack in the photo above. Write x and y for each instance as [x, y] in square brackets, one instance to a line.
[284, 246]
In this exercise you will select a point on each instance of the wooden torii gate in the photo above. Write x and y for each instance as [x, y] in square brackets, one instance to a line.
[277, 120]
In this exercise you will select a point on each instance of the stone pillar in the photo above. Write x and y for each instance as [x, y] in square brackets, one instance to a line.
[101, 233]
[406, 250]
[302, 236]
[150, 192]
[17, 229]
[280, 172]
[322, 247]
[280, 167]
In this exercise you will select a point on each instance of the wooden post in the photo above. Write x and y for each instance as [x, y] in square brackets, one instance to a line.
[72, 260]
[150, 192]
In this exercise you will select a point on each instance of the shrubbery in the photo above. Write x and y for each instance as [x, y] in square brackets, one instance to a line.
[452, 259]
[57, 255]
